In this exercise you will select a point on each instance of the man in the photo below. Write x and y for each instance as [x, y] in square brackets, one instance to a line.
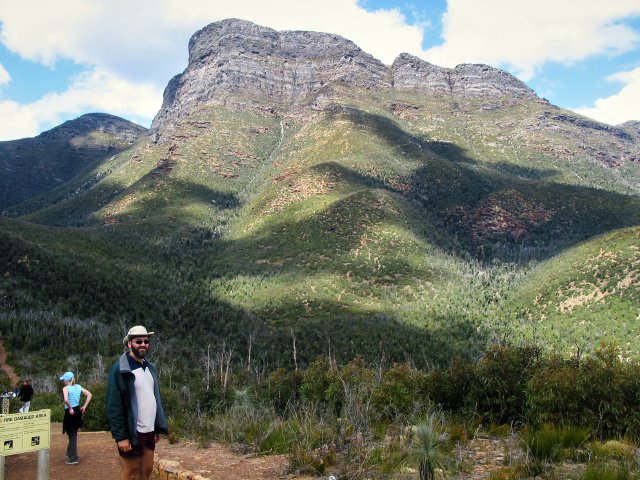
[134, 407]
[24, 394]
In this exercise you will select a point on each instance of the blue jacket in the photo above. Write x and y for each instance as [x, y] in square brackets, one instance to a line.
[121, 404]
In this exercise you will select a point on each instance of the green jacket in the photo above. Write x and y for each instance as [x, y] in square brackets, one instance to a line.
[121, 405]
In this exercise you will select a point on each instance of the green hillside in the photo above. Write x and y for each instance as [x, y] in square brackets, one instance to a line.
[588, 294]
[382, 224]
[33, 167]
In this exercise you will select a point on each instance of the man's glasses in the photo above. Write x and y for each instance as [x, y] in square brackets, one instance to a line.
[140, 342]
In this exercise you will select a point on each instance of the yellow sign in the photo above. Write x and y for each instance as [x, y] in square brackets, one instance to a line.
[24, 432]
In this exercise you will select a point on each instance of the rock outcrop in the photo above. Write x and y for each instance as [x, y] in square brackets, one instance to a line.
[632, 127]
[463, 81]
[237, 57]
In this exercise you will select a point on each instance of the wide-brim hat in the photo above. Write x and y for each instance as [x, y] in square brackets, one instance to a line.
[137, 331]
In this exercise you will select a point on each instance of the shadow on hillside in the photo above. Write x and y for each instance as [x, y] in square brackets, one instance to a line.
[187, 318]
[471, 209]
[492, 211]
[374, 335]
[156, 196]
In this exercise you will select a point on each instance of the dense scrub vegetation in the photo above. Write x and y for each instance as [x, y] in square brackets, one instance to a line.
[372, 420]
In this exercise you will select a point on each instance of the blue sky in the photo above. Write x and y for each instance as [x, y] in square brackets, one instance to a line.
[61, 59]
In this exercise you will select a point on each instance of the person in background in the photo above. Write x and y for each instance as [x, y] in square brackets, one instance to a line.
[134, 406]
[24, 394]
[73, 412]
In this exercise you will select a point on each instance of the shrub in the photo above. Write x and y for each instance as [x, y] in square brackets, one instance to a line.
[574, 437]
[427, 449]
[553, 395]
[278, 439]
[599, 392]
[312, 448]
[398, 392]
[450, 388]
[316, 380]
[544, 445]
[551, 443]
[601, 471]
[511, 472]
[612, 449]
[95, 418]
[49, 401]
[282, 388]
[503, 373]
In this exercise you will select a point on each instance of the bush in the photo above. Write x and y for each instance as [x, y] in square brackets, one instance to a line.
[282, 388]
[608, 472]
[612, 449]
[49, 401]
[503, 374]
[511, 472]
[316, 380]
[427, 449]
[399, 391]
[600, 392]
[450, 388]
[95, 418]
[550, 444]
[312, 448]
[544, 445]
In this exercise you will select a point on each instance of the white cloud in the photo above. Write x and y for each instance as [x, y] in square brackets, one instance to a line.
[146, 40]
[92, 91]
[384, 33]
[4, 76]
[16, 121]
[622, 106]
[140, 45]
[524, 35]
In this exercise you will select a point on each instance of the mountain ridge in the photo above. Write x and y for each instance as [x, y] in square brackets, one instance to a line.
[338, 209]
[236, 55]
[33, 166]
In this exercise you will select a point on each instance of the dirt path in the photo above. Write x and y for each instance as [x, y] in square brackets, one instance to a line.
[99, 460]
[3, 364]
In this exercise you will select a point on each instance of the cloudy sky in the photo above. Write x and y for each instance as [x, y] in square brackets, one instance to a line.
[60, 59]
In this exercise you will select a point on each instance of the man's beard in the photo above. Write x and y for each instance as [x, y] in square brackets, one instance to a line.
[138, 353]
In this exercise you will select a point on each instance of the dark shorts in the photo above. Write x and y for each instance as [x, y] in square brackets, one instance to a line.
[145, 440]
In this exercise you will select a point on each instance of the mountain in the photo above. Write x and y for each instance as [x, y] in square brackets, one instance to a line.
[36, 165]
[297, 195]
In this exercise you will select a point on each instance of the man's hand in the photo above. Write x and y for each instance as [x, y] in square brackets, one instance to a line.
[71, 412]
[157, 437]
[124, 445]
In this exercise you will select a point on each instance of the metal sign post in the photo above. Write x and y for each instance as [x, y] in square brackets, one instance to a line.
[26, 432]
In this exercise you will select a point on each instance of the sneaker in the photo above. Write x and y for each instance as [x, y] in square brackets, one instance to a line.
[71, 462]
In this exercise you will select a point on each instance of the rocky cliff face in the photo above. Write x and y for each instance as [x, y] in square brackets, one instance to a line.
[238, 57]
[464, 81]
